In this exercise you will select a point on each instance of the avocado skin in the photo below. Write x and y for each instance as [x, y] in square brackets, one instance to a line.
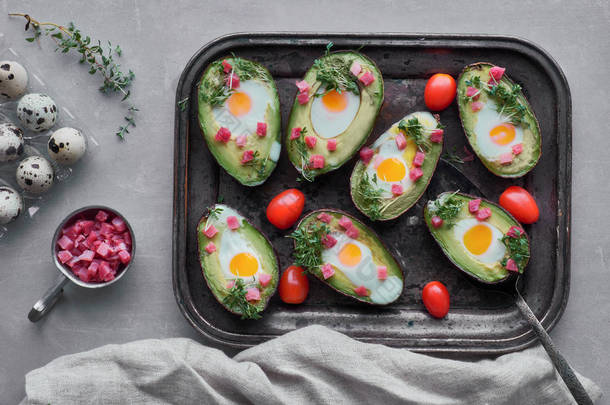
[463, 108]
[366, 128]
[395, 268]
[247, 176]
[436, 151]
[270, 290]
[496, 210]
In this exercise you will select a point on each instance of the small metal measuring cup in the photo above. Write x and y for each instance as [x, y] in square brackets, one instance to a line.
[52, 295]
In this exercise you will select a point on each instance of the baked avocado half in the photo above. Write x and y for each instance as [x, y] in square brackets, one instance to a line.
[238, 262]
[498, 121]
[477, 236]
[395, 171]
[333, 113]
[239, 116]
[348, 256]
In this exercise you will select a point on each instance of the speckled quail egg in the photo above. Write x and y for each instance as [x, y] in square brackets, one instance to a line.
[13, 80]
[11, 205]
[37, 112]
[11, 142]
[67, 145]
[35, 174]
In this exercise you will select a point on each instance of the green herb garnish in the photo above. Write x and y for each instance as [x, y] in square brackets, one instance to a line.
[100, 58]
[236, 301]
[214, 212]
[370, 195]
[308, 245]
[303, 151]
[259, 162]
[334, 73]
[518, 249]
[415, 130]
[447, 207]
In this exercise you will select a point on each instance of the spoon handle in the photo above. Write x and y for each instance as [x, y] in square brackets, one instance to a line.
[48, 300]
[561, 364]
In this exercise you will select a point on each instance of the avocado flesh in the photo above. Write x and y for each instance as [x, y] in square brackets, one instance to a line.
[452, 247]
[341, 281]
[394, 206]
[229, 155]
[214, 275]
[526, 160]
[349, 141]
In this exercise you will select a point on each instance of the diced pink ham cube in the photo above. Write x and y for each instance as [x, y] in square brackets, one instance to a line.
[356, 68]
[210, 231]
[418, 160]
[101, 216]
[295, 133]
[367, 78]
[223, 135]
[311, 141]
[72, 262]
[103, 250]
[90, 239]
[107, 230]
[232, 81]
[124, 256]
[401, 141]
[327, 271]
[506, 158]
[511, 265]
[325, 217]
[331, 145]
[253, 294]
[210, 248]
[105, 272]
[261, 129]
[303, 98]
[436, 135]
[518, 148]
[352, 232]
[119, 224]
[437, 221]
[63, 256]
[241, 140]
[361, 291]
[92, 269]
[476, 106]
[345, 222]
[329, 241]
[316, 161]
[473, 205]
[303, 86]
[264, 279]
[226, 66]
[496, 73]
[382, 272]
[232, 222]
[83, 274]
[86, 226]
[515, 232]
[127, 238]
[397, 189]
[366, 154]
[472, 92]
[230, 284]
[76, 252]
[71, 232]
[87, 256]
[65, 243]
[247, 156]
[415, 173]
[483, 213]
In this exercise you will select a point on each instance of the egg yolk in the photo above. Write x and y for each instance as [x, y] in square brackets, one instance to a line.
[334, 101]
[239, 104]
[391, 169]
[477, 239]
[502, 134]
[243, 265]
[350, 254]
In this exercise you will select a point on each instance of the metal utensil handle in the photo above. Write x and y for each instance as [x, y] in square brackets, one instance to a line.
[48, 300]
[561, 364]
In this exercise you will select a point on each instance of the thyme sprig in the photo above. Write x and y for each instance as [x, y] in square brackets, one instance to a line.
[447, 207]
[100, 58]
[215, 211]
[370, 196]
[333, 72]
[308, 245]
[517, 249]
[413, 128]
[258, 162]
[236, 301]
[506, 98]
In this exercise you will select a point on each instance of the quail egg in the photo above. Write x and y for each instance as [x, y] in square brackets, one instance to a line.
[13, 80]
[37, 112]
[11, 142]
[35, 174]
[67, 145]
[11, 205]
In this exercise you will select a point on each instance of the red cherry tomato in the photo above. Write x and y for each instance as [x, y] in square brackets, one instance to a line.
[285, 208]
[440, 92]
[436, 299]
[294, 285]
[520, 203]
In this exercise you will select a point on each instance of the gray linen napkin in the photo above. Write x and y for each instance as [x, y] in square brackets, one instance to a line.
[311, 365]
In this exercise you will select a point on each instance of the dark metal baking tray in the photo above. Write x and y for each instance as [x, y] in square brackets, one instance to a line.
[481, 321]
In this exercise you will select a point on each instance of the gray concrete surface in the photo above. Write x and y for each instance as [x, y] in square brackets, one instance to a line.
[135, 176]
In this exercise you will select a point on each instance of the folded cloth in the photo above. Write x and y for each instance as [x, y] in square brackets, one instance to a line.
[313, 365]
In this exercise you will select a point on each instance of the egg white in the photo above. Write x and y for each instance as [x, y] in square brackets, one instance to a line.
[329, 124]
[487, 118]
[496, 250]
[388, 150]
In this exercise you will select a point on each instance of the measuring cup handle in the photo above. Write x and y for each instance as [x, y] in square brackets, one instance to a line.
[48, 300]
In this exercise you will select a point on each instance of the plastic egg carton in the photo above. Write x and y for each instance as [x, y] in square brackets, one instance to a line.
[36, 143]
